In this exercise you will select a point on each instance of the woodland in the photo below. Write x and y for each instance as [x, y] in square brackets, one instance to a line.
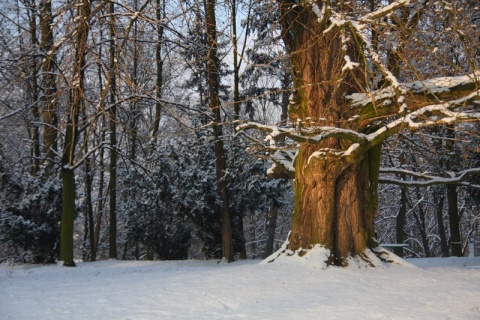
[203, 129]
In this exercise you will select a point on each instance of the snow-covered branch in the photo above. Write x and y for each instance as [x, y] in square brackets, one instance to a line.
[428, 90]
[384, 11]
[283, 164]
[312, 134]
[425, 179]
[439, 96]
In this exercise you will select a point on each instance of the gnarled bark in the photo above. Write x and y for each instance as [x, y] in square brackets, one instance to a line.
[335, 204]
[335, 201]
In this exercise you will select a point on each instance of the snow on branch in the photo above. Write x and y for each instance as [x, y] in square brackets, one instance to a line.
[283, 164]
[383, 11]
[426, 179]
[311, 135]
[432, 87]
[435, 94]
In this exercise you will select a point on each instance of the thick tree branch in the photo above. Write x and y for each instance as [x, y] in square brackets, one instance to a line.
[400, 98]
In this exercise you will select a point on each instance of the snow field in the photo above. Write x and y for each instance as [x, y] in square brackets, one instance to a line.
[441, 288]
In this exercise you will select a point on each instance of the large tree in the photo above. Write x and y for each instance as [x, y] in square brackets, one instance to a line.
[353, 88]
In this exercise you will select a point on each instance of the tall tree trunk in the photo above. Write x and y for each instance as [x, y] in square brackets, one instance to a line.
[68, 215]
[112, 119]
[214, 85]
[402, 212]
[101, 198]
[160, 14]
[454, 219]
[34, 91]
[49, 87]
[236, 115]
[335, 201]
[236, 65]
[401, 219]
[89, 217]
[134, 113]
[274, 206]
[452, 196]
[420, 219]
[271, 226]
[439, 198]
[76, 105]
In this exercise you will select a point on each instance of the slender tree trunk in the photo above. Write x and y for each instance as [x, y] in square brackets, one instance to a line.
[454, 219]
[420, 218]
[402, 213]
[76, 105]
[160, 14]
[214, 84]
[101, 198]
[89, 216]
[273, 210]
[401, 219]
[439, 198]
[236, 66]
[236, 108]
[49, 87]
[271, 226]
[34, 91]
[112, 119]
[452, 197]
[68, 217]
[134, 113]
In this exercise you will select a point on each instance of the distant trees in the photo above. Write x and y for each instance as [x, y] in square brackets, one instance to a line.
[438, 170]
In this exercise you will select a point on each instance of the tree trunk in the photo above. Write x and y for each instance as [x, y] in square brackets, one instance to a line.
[273, 210]
[335, 205]
[214, 85]
[68, 217]
[34, 91]
[402, 213]
[49, 87]
[420, 219]
[236, 65]
[160, 14]
[454, 219]
[89, 216]
[100, 201]
[401, 218]
[452, 196]
[112, 120]
[271, 226]
[335, 201]
[76, 105]
[439, 198]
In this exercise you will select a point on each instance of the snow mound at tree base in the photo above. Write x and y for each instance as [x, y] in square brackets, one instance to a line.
[319, 257]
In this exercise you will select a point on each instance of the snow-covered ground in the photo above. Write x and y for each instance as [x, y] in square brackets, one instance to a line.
[447, 288]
